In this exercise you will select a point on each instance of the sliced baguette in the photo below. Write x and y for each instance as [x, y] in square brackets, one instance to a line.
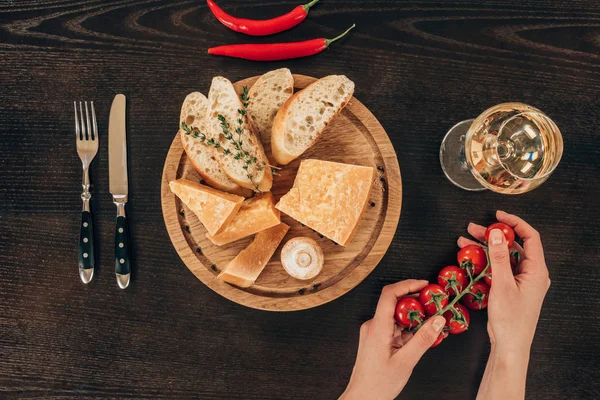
[301, 121]
[223, 100]
[257, 214]
[215, 209]
[267, 95]
[193, 113]
[243, 270]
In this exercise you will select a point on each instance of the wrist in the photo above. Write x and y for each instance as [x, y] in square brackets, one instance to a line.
[512, 355]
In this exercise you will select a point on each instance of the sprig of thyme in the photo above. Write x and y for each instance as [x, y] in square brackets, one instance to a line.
[240, 152]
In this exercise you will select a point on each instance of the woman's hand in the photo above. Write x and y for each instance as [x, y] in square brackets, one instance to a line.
[514, 306]
[515, 301]
[386, 354]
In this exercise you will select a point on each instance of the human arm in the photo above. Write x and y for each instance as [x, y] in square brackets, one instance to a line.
[514, 307]
[387, 354]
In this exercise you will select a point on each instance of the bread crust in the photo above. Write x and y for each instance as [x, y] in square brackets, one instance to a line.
[278, 149]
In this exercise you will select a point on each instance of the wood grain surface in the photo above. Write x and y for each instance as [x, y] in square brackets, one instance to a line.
[419, 66]
[358, 139]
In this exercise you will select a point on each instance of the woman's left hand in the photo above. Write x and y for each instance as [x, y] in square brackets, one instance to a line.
[386, 354]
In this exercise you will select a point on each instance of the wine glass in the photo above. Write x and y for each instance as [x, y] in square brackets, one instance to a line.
[510, 148]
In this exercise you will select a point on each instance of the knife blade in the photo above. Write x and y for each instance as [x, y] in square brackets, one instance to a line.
[117, 172]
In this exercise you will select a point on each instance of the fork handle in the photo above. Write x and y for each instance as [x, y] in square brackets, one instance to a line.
[86, 234]
[86, 242]
[122, 250]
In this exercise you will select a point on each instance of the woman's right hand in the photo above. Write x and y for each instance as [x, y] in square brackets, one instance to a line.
[515, 301]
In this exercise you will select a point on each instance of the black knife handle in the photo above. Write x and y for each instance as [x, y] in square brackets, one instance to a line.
[122, 252]
[86, 241]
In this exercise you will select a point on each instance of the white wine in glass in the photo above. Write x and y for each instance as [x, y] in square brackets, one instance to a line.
[511, 148]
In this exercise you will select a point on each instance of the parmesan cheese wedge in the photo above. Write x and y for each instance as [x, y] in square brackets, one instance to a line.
[215, 209]
[243, 270]
[329, 197]
[256, 214]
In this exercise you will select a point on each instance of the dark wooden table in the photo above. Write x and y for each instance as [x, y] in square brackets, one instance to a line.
[420, 67]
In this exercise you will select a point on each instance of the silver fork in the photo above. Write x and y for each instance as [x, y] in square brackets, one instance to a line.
[87, 147]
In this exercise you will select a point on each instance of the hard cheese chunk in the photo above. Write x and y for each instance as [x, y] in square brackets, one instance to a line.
[243, 270]
[214, 208]
[255, 215]
[329, 198]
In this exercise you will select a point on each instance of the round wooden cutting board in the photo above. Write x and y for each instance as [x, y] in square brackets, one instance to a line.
[354, 137]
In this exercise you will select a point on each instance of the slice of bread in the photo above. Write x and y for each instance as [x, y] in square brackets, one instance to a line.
[243, 270]
[202, 157]
[215, 209]
[301, 121]
[267, 95]
[257, 214]
[252, 170]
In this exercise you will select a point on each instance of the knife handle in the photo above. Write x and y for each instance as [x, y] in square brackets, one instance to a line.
[86, 241]
[122, 250]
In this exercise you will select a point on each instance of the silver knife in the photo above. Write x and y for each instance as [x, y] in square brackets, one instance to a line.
[117, 171]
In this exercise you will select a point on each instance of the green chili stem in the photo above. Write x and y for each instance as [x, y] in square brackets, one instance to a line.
[329, 41]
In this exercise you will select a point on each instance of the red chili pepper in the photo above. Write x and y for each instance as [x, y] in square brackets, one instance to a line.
[261, 27]
[275, 51]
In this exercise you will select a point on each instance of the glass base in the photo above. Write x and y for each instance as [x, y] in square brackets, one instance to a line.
[453, 160]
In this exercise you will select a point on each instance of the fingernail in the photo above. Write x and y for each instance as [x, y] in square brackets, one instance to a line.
[438, 323]
[496, 236]
[502, 212]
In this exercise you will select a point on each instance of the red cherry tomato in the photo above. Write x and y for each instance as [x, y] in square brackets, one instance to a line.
[439, 339]
[409, 312]
[473, 258]
[508, 232]
[478, 301]
[434, 298]
[488, 277]
[457, 321]
[453, 279]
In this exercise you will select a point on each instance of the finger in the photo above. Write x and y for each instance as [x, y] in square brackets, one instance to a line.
[517, 247]
[532, 242]
[464, 242]
[384, 314]
[401, 339]
[412, 351]
[406, 336]
[500, 260]
[364, 333]
[477, 231]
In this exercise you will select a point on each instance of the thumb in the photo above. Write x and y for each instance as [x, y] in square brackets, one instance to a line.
[500, 259]
[412, 352]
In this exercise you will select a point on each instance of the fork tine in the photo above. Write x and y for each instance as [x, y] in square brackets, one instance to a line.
[87, 119]
[77, 131]
[94, 123]
[84, 134]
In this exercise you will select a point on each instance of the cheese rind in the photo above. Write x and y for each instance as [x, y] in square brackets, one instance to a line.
[245, 268]
[329, 197]
[256, 214]
[215, 209]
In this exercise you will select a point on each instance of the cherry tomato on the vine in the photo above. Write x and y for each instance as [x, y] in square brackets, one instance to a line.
[452, 279]
[458, 321]
[488, 276]
[409, 312]
[472, 258]
[439, 339]
[508, 232]
[434, 298]
[479, 299]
